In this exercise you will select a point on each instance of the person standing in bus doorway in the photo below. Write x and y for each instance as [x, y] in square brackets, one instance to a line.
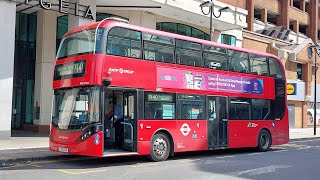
[115, 116]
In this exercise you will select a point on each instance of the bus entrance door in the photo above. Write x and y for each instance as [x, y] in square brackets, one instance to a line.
[129, 120]
[217, 122]
[120, 122]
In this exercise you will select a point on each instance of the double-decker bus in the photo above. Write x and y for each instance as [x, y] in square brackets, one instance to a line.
[121, 89]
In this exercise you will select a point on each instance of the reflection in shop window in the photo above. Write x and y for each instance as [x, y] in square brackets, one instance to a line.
[182, 29]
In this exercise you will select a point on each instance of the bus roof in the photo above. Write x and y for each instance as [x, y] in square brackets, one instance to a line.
[108, 24]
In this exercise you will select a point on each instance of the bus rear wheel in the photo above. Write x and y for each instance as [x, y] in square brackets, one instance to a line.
[264, 141]
[159, 147]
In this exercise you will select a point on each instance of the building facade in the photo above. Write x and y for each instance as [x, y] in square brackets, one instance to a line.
[32, 30]
[287, 28]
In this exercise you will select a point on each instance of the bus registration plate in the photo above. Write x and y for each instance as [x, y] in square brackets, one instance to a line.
[62, 149]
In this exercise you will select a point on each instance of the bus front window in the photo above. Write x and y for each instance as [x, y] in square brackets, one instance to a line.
[76, 108]
[82, 42]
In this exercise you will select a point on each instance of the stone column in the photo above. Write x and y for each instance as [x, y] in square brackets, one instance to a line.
[7, 36]
[45, 58]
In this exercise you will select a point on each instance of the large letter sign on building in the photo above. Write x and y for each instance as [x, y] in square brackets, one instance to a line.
[64, 6]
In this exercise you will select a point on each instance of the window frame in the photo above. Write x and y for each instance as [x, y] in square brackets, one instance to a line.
[203, 100]
[158, 43]
[188, 49]
[267, 61]
[267, 116]
[249, 108]
[146, 93]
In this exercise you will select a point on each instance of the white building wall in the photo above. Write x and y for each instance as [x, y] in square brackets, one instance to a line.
[7, 40]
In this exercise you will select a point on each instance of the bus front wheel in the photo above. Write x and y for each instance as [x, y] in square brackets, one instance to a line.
[264, 140]
[159, 147]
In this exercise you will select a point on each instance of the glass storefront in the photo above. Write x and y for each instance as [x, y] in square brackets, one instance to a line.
[24, 69]
[182, 29]
[62, 25]
[228, 39]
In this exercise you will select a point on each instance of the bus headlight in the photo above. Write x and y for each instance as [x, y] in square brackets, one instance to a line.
[84, 136]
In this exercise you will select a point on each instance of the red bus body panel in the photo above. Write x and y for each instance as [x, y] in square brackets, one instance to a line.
[68, 140]
[146, 75]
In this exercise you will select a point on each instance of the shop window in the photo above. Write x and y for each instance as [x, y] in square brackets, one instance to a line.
[228, 39]
[102, 16]
[24, 69]
[62, 28]
[182, 29]
[299, 71]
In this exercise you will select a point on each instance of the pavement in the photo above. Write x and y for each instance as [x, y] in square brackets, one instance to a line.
[28, 146]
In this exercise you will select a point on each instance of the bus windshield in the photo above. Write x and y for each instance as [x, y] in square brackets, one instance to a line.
[77, 43]
[76, 108]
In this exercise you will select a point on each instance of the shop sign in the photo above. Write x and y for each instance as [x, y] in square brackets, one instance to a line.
[64, 6]
[292, 88]
[295, 90]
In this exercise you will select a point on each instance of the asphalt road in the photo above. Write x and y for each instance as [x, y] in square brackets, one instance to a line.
[299, 159]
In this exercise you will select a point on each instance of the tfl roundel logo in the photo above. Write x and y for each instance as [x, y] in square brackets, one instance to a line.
[185, 129]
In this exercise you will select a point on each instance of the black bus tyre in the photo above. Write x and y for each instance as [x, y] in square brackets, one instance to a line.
[264, 140]
[159, 147]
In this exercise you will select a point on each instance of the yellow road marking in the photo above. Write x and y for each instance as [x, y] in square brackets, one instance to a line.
[222, 157]
[83, 172]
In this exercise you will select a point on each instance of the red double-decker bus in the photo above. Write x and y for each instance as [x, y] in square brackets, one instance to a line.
[121, 89]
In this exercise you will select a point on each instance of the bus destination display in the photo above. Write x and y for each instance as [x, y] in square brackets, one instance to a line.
[70, 70]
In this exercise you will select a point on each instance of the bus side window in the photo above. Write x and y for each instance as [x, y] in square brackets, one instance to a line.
[188, 53]
[239, 62]
[215, 58]
[124, 42]
[158, 48]
[259, 65]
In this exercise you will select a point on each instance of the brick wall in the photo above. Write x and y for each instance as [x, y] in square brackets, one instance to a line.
[236, 3]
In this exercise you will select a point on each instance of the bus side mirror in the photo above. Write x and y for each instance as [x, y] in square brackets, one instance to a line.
[106, 82]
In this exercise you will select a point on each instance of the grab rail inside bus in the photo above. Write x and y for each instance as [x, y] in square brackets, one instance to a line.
[128, 124]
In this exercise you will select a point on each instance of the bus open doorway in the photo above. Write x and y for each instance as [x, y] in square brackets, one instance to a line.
[120, 122]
